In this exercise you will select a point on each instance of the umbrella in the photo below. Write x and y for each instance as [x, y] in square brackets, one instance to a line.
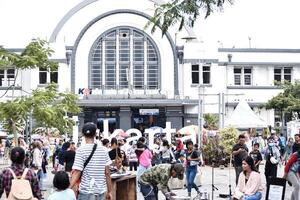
[158, 131]
[11, 136]
[188, 130]
[36, 137]
[121, 133]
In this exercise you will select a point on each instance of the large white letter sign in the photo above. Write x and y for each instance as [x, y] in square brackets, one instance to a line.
[168, 130]
[105, 128]
[134, 138]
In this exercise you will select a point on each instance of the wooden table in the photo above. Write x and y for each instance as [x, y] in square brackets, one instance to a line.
[124, 188]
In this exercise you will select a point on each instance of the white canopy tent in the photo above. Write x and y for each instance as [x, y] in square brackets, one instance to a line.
[244, 117]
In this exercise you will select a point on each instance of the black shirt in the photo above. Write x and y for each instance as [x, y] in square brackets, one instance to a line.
[112, 154]
[194, 154]
[238, 159]
[296, 147]
[69, 157]
[256, 155]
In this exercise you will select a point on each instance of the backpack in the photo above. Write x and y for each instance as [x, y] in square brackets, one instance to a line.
[20, 187]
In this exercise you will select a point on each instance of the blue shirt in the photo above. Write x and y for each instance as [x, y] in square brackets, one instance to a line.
[64, 194]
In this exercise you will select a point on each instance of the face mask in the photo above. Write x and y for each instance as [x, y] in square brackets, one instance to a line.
[271, 144]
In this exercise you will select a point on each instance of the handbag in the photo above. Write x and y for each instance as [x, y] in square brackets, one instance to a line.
[193, 162]
[84, 165]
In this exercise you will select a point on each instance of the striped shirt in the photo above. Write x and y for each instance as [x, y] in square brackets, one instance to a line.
[93, 177]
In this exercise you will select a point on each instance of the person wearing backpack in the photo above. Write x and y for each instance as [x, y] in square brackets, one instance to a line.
[17, 181]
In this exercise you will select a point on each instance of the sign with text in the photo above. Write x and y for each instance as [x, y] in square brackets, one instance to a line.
[149, 111]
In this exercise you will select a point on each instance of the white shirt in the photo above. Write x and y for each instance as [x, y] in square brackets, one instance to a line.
[93, 178]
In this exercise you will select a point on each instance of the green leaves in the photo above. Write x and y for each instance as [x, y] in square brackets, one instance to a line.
[184, 12]
[49, 109]
[35, 55]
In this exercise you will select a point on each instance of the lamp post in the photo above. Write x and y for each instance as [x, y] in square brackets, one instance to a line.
[200, 116]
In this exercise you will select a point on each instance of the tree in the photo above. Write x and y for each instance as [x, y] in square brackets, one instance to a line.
[35, 55]
[48, 107]
[211, 121]
[182, 12]
[287, 101]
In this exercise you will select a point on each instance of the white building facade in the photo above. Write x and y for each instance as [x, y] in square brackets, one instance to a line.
[137, 79]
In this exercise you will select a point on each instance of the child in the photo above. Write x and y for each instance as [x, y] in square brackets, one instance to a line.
[61, 182]
[256, 156]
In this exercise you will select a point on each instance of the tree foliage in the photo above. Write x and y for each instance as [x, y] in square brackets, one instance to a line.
[36, 54]
[211, 121]
[287, 101]
[182, 12]
[48, 107]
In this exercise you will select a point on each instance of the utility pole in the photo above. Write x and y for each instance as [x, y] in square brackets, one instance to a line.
[200, 117]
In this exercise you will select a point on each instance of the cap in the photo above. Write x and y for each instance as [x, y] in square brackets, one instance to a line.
[179, 169]
[89, 129]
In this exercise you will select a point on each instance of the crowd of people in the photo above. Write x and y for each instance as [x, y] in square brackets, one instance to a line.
[84, 171]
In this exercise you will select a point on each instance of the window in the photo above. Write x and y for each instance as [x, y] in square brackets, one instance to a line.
[196, 71]
[127, 53]
[242, 75]
[7, 77]
[283, 74]
[47, 77]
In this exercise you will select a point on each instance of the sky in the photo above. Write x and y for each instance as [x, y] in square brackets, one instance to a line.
[268, 24]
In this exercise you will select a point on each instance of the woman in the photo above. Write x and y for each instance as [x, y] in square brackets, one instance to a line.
[17, 157]
[272, 156]
[179, 149]
[192, 161]
[37, 160]
[288, 150]
[249, 185]
[115, 154]
[291, 173]
[166, 154]
[144, 156]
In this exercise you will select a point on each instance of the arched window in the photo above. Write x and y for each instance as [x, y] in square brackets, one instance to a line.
[124, 58]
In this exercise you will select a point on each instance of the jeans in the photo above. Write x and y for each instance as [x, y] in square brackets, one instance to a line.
[238, 170]
[85, 196]
[191, 173]
[141, 169]
[149, 192]
[294, 179]
[40, 176]
[256, 196]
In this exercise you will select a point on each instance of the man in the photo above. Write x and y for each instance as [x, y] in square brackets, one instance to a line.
[94, 175]
[239, 151]
[17, 157]
[159, 175]
[296, 145]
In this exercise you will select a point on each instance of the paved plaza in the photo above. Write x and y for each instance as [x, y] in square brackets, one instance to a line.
[221, 181]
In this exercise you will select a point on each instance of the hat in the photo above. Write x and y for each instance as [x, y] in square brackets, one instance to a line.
[179, 169]
[89, 129]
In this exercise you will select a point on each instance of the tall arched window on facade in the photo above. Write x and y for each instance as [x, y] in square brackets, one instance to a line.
[124, 58]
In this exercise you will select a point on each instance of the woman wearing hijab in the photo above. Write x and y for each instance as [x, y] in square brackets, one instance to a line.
[179, 149]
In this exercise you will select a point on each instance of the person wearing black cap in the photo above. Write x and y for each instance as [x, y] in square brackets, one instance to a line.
[91, 167]
[159, 175]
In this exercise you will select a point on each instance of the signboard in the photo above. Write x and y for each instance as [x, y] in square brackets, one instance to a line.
[149, 111]
[276, 189]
